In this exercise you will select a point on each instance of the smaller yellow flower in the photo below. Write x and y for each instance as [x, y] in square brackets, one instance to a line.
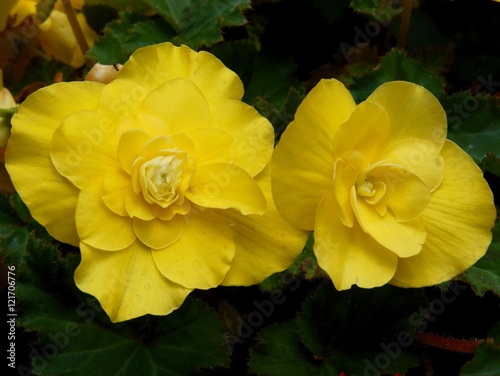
[390, 200]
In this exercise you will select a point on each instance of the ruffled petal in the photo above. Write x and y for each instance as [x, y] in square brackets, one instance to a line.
[344, 178]
[458, 221]
[224, 186]
[202, 256]
[212, 145]
[154, 146]
[28, 160]
[151, 125]
[349, 255]
[265, 244]
[116, 184]
[84, 148]
[127, 283]
[302, 167]
[129, 147]
[361, 138]
[180, 104]
[137, 207]
[418, 124]
[158, 234]
[99, 227]
[253, 134]
[154, 65]
[403, 238]
[405, 193]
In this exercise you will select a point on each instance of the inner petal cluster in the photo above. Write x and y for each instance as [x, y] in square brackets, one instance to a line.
[385, 199]
[162, 179]
[159, 171]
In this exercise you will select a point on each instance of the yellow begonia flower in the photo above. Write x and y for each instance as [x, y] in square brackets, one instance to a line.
[54, 33]
[389, 198]
[162, 177]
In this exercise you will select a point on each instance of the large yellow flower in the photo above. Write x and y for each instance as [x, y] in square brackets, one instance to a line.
[389, 198]
[160, 177]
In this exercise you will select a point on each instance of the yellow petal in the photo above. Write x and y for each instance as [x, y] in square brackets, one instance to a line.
[20, 10]
[84, 148]
[154, 146]
[223, 186]
[27, 157]
[99, 227]
[202, 256]
[129, 147]
[405, 193]
[154, 65]
[137, 207]
[116, 184]
[180, 104]
[458, 221]
[59, 41]
[265, 244]
[344, 178]
[151, 125]
[253, 134]
[403, 238]
[361, 138]
[212, 145]
[158, 234]
[418, 124]
[302, 167]
[349, 255]
[127, 283]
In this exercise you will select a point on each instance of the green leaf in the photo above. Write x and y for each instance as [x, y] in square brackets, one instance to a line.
[486, 356]
[171, 10]
[122, 37]
[279, 352]
[13, 231]
[356, 331]
[395, 66]
[331, 10]
[137, 6]
[200, 23]
[484, 275]
[474, 123]
[177, 344]
[269, 79]
[377, 8]
[320, 340]
[365, 6]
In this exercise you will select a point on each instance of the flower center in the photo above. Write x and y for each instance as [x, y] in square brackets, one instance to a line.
[164, 178]
[365, 189]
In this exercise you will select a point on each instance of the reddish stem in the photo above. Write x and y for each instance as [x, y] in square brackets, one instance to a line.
[446, 343]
